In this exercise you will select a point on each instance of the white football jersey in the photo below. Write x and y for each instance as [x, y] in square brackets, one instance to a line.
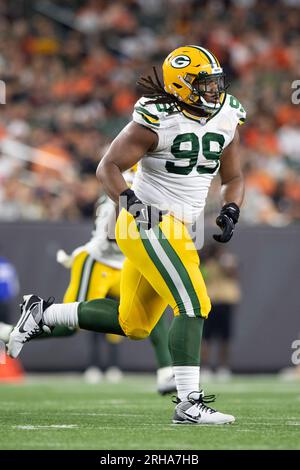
[177, 175]
[101, 246]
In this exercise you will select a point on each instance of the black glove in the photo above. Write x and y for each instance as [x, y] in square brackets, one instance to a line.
[227, 219]
[146, 216]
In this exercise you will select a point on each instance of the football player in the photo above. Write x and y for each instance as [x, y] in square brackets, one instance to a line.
[182, 133]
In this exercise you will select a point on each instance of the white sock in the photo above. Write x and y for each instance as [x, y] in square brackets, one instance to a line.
[187, 380]
[62, 315]
[163, 374]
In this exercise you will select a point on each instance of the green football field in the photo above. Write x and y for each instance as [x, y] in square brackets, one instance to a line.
[65, 413]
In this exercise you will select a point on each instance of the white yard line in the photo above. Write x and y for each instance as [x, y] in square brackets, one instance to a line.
[31, 427]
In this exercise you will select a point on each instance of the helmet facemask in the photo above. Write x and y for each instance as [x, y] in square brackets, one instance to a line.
[206, 90]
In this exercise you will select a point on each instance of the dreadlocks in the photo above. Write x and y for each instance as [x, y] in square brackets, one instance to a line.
[153, 88]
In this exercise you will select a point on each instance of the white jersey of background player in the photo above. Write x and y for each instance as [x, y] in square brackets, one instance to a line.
[101, 246]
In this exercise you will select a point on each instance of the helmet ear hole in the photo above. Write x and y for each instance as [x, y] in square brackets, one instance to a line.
[177, 85]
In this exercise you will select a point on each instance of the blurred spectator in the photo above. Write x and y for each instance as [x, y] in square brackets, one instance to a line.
[10, 369]
[9, 288]
[70, 88]
[219, 268]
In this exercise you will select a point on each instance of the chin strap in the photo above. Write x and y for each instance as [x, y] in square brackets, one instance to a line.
[210, 106]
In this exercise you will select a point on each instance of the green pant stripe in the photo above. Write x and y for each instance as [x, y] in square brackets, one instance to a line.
[181, 269]
[85, 279]
[161, 268]
[81, 276]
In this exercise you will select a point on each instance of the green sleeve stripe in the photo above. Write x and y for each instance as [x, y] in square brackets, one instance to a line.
[181, 269]
[242, 120]
[145, 111]
[161, 268]
[147, 119]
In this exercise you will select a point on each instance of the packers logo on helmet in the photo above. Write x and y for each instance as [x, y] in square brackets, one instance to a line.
[194, 76]
[180, 61]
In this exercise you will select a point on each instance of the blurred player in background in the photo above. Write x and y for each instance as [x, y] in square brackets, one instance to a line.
[95, 274]
[182, 133]
[219, 268]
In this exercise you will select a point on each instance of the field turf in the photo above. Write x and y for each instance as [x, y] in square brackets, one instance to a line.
[65, 413]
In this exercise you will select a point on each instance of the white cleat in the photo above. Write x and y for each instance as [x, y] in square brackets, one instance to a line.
[223, 374]
[114, 375]
[30, 324]
[195, 411]
[290, 373]
[5, 331]
[93, 375]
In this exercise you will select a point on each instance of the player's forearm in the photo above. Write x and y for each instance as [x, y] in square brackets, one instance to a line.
[233, 191]
[112, 179]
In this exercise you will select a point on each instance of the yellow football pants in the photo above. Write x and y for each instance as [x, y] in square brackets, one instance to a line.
[160, 269]
[93, 280]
